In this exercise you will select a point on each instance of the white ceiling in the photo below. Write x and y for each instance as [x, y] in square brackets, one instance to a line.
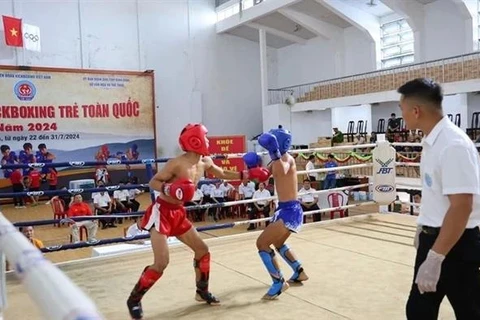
[252, 35]
[315, 9]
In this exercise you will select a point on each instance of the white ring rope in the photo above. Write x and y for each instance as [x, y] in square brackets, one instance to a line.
[407, 164]
[54, 293]
[412, 204]
[402, 185]
[322, 149]
[353, 166]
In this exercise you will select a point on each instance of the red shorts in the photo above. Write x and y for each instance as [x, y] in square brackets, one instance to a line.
[167, 218]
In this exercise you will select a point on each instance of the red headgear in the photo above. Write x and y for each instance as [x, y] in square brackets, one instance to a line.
[193, 138]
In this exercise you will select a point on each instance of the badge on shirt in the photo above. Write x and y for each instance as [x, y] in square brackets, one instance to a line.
[428, 180]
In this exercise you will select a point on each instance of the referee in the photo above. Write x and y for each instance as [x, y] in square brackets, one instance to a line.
[448, 244]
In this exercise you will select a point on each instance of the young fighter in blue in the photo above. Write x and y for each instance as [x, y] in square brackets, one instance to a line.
[287, 218]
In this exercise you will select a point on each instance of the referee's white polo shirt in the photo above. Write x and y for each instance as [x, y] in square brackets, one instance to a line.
[450, 164]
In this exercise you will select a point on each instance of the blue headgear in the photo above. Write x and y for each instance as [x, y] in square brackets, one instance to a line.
[284, 138]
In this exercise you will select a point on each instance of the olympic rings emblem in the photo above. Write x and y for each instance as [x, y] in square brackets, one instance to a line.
[31, 37]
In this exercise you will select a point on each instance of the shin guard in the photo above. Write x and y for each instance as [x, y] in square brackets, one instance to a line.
[147, 280]
[267, 259]
[203, 267]
[295, 265]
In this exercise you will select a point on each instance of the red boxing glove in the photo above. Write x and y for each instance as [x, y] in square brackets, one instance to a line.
[260, 174]
[182, 189]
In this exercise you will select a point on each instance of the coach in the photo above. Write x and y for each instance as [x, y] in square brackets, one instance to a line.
[448, 240]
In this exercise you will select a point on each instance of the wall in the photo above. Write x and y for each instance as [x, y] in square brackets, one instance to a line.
[444, 31]
[383, 110]
[341, 116]
[320, 59]
[199, 75]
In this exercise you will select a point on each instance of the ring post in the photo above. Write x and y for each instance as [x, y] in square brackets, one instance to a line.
[57, 297]
[149, 168]
[3, 282]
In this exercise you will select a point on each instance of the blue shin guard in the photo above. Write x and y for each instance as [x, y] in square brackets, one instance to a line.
[278, 281]
[295, 265]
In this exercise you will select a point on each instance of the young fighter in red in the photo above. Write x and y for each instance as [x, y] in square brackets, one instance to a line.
[176, 182]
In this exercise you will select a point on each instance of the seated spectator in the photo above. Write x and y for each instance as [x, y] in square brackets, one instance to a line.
[103, 206]
[309, 200]
[393, 124]
[196, 201]
[330, 181]
[246, 190]
[121, 198]
[312, 176]
[260, 207]
[29, 234]
[132, 195]
[219, 197]
[337, 136]
[67, 199]
[35, 181]
[52, 178]
[80, 208]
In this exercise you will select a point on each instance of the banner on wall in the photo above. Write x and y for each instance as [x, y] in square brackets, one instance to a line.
[76, 115]
[228, 145]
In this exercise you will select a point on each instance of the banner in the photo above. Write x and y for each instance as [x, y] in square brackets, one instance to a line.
[31, 37]
[76, 115]
[228, 145]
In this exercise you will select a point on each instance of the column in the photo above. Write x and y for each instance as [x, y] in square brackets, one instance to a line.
[263, 66]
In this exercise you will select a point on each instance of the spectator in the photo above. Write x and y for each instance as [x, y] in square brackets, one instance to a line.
[52, 181]
[29, 234]
[196, 201]
[80, 208]
[309, 201]
[330, 181]
[226, 188]
[103, 206]
[260, 207]
[337, 136]
[67, 199]
[312, 176]
[122, 199]
[393, 124]
[17, 186]
[219, 197]
[246, 190]
[35, 181]
[132, 195]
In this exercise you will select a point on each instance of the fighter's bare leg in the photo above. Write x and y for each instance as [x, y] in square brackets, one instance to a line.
[150, 274]
[287, 254]
[201, 264]
[275, 233]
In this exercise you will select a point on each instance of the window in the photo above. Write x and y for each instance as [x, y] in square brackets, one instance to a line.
[397, 43]
[235, 8]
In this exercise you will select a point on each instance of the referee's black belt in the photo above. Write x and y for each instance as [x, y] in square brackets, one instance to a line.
[435, 231]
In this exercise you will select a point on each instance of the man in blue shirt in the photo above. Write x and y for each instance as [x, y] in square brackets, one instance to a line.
[331, 176]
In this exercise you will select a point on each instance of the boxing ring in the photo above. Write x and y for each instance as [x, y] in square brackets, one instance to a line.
[360, 268]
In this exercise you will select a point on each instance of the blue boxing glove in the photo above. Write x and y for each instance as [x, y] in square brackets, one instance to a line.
[270, 142]
[252, 160]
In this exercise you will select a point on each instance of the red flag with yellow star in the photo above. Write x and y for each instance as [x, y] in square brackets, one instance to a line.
[13, 31]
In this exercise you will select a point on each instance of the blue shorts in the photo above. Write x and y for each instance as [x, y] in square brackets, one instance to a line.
[291, 213]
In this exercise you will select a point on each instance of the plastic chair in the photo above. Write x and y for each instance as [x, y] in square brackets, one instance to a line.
[335, 200]
[83, 234]
[58, 208]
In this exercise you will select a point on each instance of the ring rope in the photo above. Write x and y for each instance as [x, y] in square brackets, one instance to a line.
[353, 166]
[189, 208]
[78, 245]
[61, 299]
[409, 185]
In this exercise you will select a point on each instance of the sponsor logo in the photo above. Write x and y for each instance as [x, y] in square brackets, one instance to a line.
[54, 248]
[179, 194]
[36, 165]
[428, 180]
[384, 188]
[110, 188]
[384, 166]
[114, 161]
[25, 90]
[148, 161]
[35, 193]
[28, 259]
[75, 191]
[77, 163]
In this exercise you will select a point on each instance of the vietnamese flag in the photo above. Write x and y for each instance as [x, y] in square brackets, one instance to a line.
[13, 31]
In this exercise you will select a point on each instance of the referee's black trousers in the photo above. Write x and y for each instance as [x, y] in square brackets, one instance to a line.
[459, 279]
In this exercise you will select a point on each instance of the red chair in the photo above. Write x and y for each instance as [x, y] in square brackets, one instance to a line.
[83, 233]
[58, 208]
[335, 200]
